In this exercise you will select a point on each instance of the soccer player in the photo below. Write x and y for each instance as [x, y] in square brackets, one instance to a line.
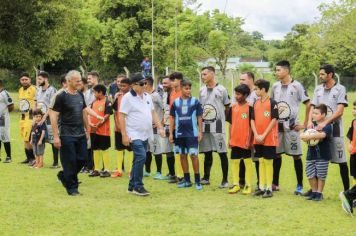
[264, 118]
[37, 139]
[186, 115]
[44, 95]
[289, 93]
[101, 129]
[215, 101]
[240, 138]
[333, 95]
[27, 94]
[6, 106]
[318, 156]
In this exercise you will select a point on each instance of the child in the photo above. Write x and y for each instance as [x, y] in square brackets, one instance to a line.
[37, 138]
[240, 138]
[102, 143]
[264, 118]
[318, 156]
[348, 197]
[186, 113]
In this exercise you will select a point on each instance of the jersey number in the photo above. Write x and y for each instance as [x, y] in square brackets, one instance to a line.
[294, 146]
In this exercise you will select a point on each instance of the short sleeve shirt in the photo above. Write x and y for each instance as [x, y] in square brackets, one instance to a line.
[37, 132]
[322, 150]
[44, 97]
[5, 101]
[158, 104]
[27, 100]
[89, 97]
[252, 97]
[213, 101]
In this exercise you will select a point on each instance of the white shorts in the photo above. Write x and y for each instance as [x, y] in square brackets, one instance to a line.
[215, 142]
[4, 129]
[337, 149]
[49, 134]
[155, 145]
[289, 143]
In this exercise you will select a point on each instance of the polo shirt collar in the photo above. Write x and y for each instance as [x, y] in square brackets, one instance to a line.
[133, 93]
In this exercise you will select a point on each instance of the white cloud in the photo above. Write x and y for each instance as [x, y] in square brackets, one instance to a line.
[273, 18]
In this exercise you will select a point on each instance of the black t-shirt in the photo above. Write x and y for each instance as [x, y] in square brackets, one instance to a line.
[70, 106]
[322, 150]
[37, 132]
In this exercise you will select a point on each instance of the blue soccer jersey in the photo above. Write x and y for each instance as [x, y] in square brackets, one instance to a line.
[185, 114]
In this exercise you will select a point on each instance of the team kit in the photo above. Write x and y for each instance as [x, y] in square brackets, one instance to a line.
[263, 123]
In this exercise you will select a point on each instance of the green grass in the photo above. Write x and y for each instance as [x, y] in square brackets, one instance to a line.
[32, 202]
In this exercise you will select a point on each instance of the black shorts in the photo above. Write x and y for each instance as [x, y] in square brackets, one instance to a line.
[100, 142]
[238, 153]
[353, 165]
[267, 152]
[118, 143]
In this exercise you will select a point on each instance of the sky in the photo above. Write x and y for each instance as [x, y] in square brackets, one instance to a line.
[273, 18]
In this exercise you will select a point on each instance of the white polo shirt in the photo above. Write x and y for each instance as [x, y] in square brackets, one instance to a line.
[138, 113]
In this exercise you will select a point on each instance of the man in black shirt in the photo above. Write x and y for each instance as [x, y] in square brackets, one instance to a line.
[72, 141]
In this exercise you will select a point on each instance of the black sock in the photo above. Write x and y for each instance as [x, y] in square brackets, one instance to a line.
[170, 163]
[55, 155]
[26, 153]
[7, 149]
[224, 165]
[208, 162]
[30, 154]
[187, 177]
[277, 163]
[158, 159]
[344, 172]
[298, 167]
[242, 172]
[257, 166]
[148, 162]
[197, 178]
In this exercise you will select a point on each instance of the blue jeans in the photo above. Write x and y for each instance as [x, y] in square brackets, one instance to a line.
[139, 149]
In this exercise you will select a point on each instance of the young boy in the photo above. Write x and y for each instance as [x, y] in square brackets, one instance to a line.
[186, 113]
[348, 197]
[102, 143]
[318, 156]
[240, 138]
[264, 118]
[37, 138]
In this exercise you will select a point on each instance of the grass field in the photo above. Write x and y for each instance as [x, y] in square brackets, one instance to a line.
[32, 202]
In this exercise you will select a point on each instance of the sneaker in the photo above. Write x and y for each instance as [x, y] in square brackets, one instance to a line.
[346, 203]
[105, 174]
[130, 190]
[298, 190]
[173, 180]
[257, 188]
[146, 174]
[54, 166]
[310, 196]
[31, 163]
[198, 186]
[116, 174]
[275, 188]
[234, 189]
[224, 185]
[159, 176]
[267, 194]
[204, 182]
[307, 193]
[184, 184]
[24, 162]
[94, 173]
[259, 193]
[141, 191]
[7, 160]
[247, 190]
[74, 193]
[318, 197]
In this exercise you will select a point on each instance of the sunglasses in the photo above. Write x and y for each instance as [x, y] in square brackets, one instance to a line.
[141, 83]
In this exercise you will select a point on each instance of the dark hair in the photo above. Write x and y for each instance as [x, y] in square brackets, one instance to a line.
[121, 76]
[261, 83]
[176, 75]
[354, 103]
[250, 75]
[328, 69]
[37, 112]
[63, 79]
[84, 80]
[284, 63]
[184, 83]
[43, 74]
[149, 80]
[243, 89]
[94, 73]
[125, 81]
[25, 74]
[210, 68]
[100, 88]
[322, 108]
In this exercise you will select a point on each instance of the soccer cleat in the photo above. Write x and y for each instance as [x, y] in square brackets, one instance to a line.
[298, 190]
[94, 173]
[267, 194]
[140, 191]
[311, 196]
[307, 193]
[247, 190]
[318, 197]
[204, 182]
[146, 174]
[184, 184]
[224, 185]
[234, 189]
[7, 160]
[346, 203]
[173, 180]
[104, 174]
[275, 188]
[116, 174]
[198, 186]
[159, 176]
[25, 161]
[31, 163]
[259, 193]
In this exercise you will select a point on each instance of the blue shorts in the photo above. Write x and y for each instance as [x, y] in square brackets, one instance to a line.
[186, 145]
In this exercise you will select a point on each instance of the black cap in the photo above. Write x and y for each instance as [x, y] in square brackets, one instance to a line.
[137, 78]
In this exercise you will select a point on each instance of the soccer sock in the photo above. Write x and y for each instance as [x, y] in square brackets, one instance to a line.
[130, 157]
[7, 149]
[119, 160]
[106, 159]
[262, 170]
[248, 172]
[269, 173]
[158, 159]
[187, 177]
[197, 178]
[235, 171]
[178, 166]
[170, 163]
[208, 162]
[344, 172]
[224, 165]
[277, 163]
[148, 162]
[242, 172]
[55, 155]
[257, 166]
[97, 157]
[31, 156]
[26, 153]
[298, 167]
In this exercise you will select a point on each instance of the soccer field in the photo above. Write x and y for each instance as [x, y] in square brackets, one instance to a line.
[33, 202]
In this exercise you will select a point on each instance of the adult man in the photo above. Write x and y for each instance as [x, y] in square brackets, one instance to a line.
[27, 94]
[136, 117]
[333, 95]
[289, 93]
[71, 138]
[43, 98]
[146, 66]
[6, 106]
[215, 101]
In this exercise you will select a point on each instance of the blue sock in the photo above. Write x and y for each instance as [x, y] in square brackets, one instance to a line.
[187, 177]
